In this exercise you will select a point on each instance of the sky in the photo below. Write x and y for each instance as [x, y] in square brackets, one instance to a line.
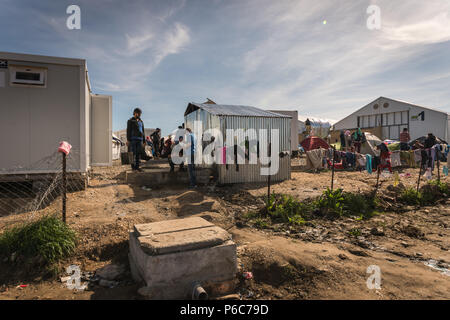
[317, 57]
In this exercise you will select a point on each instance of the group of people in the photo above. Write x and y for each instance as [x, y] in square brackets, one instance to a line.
[162, 148]
[352, 142]
[430, 148]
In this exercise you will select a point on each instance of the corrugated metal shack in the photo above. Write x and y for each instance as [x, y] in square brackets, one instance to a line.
[223, 117]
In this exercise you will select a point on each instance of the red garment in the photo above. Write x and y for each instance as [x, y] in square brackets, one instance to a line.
[312, 143]
[404, 137]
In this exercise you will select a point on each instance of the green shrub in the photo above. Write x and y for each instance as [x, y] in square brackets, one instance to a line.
[330, 202]
[411, 196]
[261, 223]
[342, 203]
[48, 238]
[443, 187]
[427, 195]
[284, 208]
[356, 204]
[296, 220]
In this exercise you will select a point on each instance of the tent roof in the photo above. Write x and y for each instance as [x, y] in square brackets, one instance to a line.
[312, 143]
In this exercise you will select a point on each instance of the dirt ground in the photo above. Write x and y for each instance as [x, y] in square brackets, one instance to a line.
[319, 260]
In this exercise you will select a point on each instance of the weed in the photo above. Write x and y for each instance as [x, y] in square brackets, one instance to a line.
[47, 238]
[261, 223]
[411, 196]
[330, 202]
[284, 208]
[355, 232]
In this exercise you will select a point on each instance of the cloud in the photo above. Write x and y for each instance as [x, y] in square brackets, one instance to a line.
[432, 30]
[270, 54]
[137, 44]
[173, 42]
[331, 69]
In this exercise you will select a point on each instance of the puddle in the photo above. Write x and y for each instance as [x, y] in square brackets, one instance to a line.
[438, 266]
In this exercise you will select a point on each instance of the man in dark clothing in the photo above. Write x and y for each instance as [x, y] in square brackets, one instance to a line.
[430, 141]
[136, 137]
[342, 137]
[191, 140]
[155, 136]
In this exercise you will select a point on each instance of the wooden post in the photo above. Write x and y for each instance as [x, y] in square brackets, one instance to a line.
[64, 187]
[332, 171]
[420, 173]
[438, 165]
[378, 178]
[268, 178]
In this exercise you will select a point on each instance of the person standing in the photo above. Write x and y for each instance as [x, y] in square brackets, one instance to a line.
[429, 143]
[155, 136]
[404, 139]
[136, 137]
[357, 138]
[191, 157]
[342, 137]
[348, 140]
[168, 147]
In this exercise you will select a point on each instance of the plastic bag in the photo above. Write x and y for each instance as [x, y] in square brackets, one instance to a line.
[64, 147]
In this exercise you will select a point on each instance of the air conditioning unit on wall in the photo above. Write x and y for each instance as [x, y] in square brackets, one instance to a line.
[31, 76]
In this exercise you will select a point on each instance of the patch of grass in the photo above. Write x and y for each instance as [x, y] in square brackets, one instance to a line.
[411, 196]
[443, 187]
[251, 215]
[355, 232]
[330, 202]
[359, 204]
[261, 223]
[47, 238]
[286, 209]
[427, 195]
[341, 203]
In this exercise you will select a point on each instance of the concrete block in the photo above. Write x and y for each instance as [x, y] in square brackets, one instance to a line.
[183, 240]
[171, 261]
[147, 229]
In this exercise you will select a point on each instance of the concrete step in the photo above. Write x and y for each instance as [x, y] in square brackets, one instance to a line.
[162, 176]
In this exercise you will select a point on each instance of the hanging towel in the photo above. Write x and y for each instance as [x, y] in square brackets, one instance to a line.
[395, 159]
[314, 159]
[417, 155]
[361, 160]
[369, 163]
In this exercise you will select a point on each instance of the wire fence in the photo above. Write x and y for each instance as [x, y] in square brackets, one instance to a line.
[28, 189]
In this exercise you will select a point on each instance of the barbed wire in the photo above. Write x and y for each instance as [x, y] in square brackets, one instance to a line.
[29, 189]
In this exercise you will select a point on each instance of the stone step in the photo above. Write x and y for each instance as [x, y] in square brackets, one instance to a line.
[162, 176]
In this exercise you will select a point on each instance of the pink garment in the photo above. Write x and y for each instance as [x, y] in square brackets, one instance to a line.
[223, 151]
[64, 147]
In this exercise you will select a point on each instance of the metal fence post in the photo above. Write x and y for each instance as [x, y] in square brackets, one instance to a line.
[64, 187]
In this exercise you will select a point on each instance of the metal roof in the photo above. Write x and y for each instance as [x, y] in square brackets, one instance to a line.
[232, 110]
[41, 59]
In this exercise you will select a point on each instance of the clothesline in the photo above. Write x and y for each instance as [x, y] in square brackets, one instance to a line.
[322, 159]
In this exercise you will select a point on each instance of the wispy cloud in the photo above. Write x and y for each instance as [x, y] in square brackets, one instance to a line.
[270, 54]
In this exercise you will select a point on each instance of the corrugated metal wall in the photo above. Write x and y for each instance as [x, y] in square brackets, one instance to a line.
[242, 173]
[236, 173]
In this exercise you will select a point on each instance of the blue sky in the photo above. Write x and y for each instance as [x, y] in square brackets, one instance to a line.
[160, 55]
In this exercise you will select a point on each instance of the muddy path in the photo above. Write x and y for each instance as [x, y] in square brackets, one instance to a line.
[322, 259]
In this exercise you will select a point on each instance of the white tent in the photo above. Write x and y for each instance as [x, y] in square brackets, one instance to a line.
[369, 147]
